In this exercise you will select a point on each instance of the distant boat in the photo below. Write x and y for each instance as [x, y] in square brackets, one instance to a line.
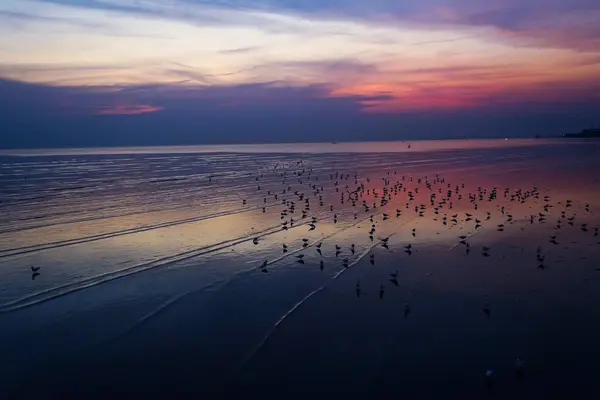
[584, 133]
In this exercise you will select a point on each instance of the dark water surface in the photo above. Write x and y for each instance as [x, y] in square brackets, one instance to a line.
[150, 282]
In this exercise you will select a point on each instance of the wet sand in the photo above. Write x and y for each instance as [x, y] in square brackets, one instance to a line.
[155, 289]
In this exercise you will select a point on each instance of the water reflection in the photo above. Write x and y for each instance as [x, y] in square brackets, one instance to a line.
[162, 250]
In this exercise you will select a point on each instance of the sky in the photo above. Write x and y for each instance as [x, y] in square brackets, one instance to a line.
[160, 72]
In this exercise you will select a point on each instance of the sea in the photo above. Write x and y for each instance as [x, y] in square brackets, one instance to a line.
[413, 269]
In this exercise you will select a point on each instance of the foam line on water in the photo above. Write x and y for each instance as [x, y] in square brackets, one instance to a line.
[218, 284]
[284, 317]
[70, 242]
[287, 314]
[55, 292]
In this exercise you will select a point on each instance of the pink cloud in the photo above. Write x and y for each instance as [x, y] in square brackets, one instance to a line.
[126, 110]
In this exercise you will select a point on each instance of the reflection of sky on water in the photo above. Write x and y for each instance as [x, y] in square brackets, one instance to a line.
[146, 239]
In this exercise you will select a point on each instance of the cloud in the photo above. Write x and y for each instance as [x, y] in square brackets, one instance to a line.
[126, 110]
[349, 65]
[242, 50]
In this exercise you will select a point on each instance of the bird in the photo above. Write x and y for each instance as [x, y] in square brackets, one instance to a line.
[486, 309]
[263, 267]
[35, 269]
[489, 378]
[394, 278]
[519, 368]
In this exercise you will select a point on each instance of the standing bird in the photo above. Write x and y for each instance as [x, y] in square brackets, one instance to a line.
[263, 267]
[394, 278]
[486, 309]
[519, 368]
[489, 379]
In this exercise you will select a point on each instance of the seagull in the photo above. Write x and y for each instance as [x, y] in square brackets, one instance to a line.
[486, 309]
[319, 248]
[322, 265]
[35, 269]
[263, 267]
[394, 278]
[519, 368]
[381, 292]
[489, 378]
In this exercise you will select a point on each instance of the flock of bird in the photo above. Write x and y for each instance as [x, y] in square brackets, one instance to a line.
[302, 190]
[441, 198]
[444, 198]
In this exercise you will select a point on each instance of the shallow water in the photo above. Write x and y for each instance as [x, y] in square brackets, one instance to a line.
[149, 281]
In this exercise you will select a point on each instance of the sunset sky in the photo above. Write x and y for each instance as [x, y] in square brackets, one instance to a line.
[107, 72]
